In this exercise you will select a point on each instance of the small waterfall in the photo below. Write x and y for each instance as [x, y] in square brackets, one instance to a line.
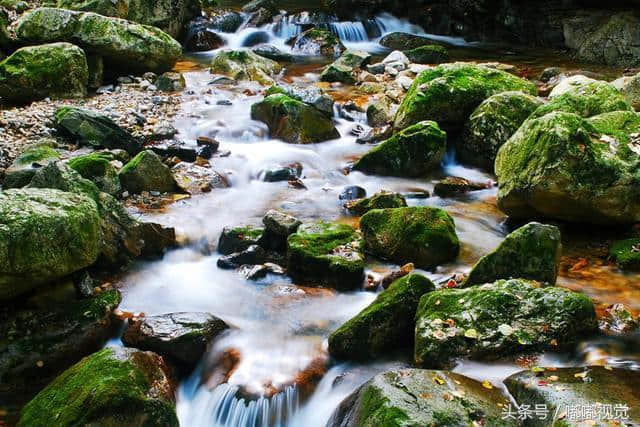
[349, 31]
[222, 408]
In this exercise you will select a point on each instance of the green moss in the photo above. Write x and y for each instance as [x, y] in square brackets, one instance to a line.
[96, 167]
[626, 253]
[376, 412]
[412, 152]
[146, 172]
[428, 54]
[25, 165]
[381, 200]
[245, 65]
[423, 235]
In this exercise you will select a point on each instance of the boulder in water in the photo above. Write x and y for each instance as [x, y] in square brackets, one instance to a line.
[225, 20]
[245, 65]
[380, 200]
[404, 41]
[311, 95]
[270, 51]
[453, 186]
[237, 239]
[146, 172]
[318, 41]
[32, 158]
[428, 54]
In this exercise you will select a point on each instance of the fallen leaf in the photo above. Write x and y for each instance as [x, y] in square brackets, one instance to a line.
[471, 333]
[582, 263]
[438, 380]
[487, 384]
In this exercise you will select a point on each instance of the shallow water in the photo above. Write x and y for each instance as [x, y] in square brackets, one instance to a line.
[280, 330]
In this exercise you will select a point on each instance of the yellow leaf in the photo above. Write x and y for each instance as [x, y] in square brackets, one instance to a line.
[580, 375]
[471, 333]
[438, 380]
[487, 384]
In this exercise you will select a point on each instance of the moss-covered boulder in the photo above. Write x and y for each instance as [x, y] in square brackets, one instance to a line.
[88, 127]
[422, 235]
[385, 326]
[417, 397]
[404, 41]
[182, 337]
[45, 235]
[36, 345]
[626, 254]
[312, 95]
[97, 168]
[146, 172]
[344, 69]
[530, 252]
[124, 45]
[318, 41]
[168, 15]
[448, 93]
[115, 386]
[294, 121]
[492, 124]
[380, 200]
[28, 162]
[326, 254]
[597, 387]
[505, 318]
[411, 152]
[565, 167]
[238, 239]
[428, 54]
[245, 65]
[57, 70]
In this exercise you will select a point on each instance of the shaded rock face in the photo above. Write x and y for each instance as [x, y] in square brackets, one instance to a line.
[97, 168]
[505, 318]
[28, 162]
[115, 386]
[58, 338]
[50, 70]
[383, 327]
[416, 397]
[559, 388]
[183, 337]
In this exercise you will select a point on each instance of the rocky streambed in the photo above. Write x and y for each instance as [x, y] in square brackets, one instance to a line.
[263, 215]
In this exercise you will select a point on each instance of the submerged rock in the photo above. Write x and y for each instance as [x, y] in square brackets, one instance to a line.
[505, 318]
[424, 236]
[245, 65]
[32, 158]
[380, 200]
[565, 167]
[294, 121]
[57, 70]
[326, 254]
[626, 254]
[238, 239]
[97, 167]
[417, 397]
[318, 41]
[182, 337]
[530, 252]
[383, 327]
[412, 152]
[146, 172]
[112, 386]
[448, 93]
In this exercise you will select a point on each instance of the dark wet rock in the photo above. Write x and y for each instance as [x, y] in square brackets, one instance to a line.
[345, 68]
[424, 236]
[254, 254]
[549, 73]
[253, 39]
[157, 239]
[32, 158]
[201, 36]
[174, 148]
[560, 389]
[146, 172]
[565, 167]
[492, 124]
[245, 65]
[619, 320]
[318, 41]
[375, 135]
[95, 66]
[112, 386]
[505, 318]
[448, 93]
[453, 186]
[352, 192]
[383, 327]
[254, 5]
[97, 168]
[182, 337]
[412, 152]
[294, 121]
[530, 252]
[36, 345]
[428, 54]
[57, 70]
[626, 254]
[284, 173]
[225, 20]
[416, 397]
[194, 179]
[380, 200]
[87, 127]
[170, 82]
[238, 239]
[404, 41]
[326, 254]
[311, 95]
[123, 45]
[270, 51]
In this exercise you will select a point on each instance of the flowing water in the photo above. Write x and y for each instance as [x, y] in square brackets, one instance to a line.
[282, 373]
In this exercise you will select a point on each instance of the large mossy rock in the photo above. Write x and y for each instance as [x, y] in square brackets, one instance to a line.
[326, 254]
[35, 346]
[318, 41]
[245, 65]
[417, 398]
[168, 15]
[492, 124]
[294, 121]
[585, 387]
[28, 162]
[94, 129]
[45, 234]
[411, 152]
[448, 93]
[530, 252]
[97, 167]
[385, 326]
[124, 45]
[626, 254]
[146, 172]
[115, 386]
[505, 318]
[565, 167]
[429, 54]
[57, 70]
[422, 235]
[404, 41]
[182, 337]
